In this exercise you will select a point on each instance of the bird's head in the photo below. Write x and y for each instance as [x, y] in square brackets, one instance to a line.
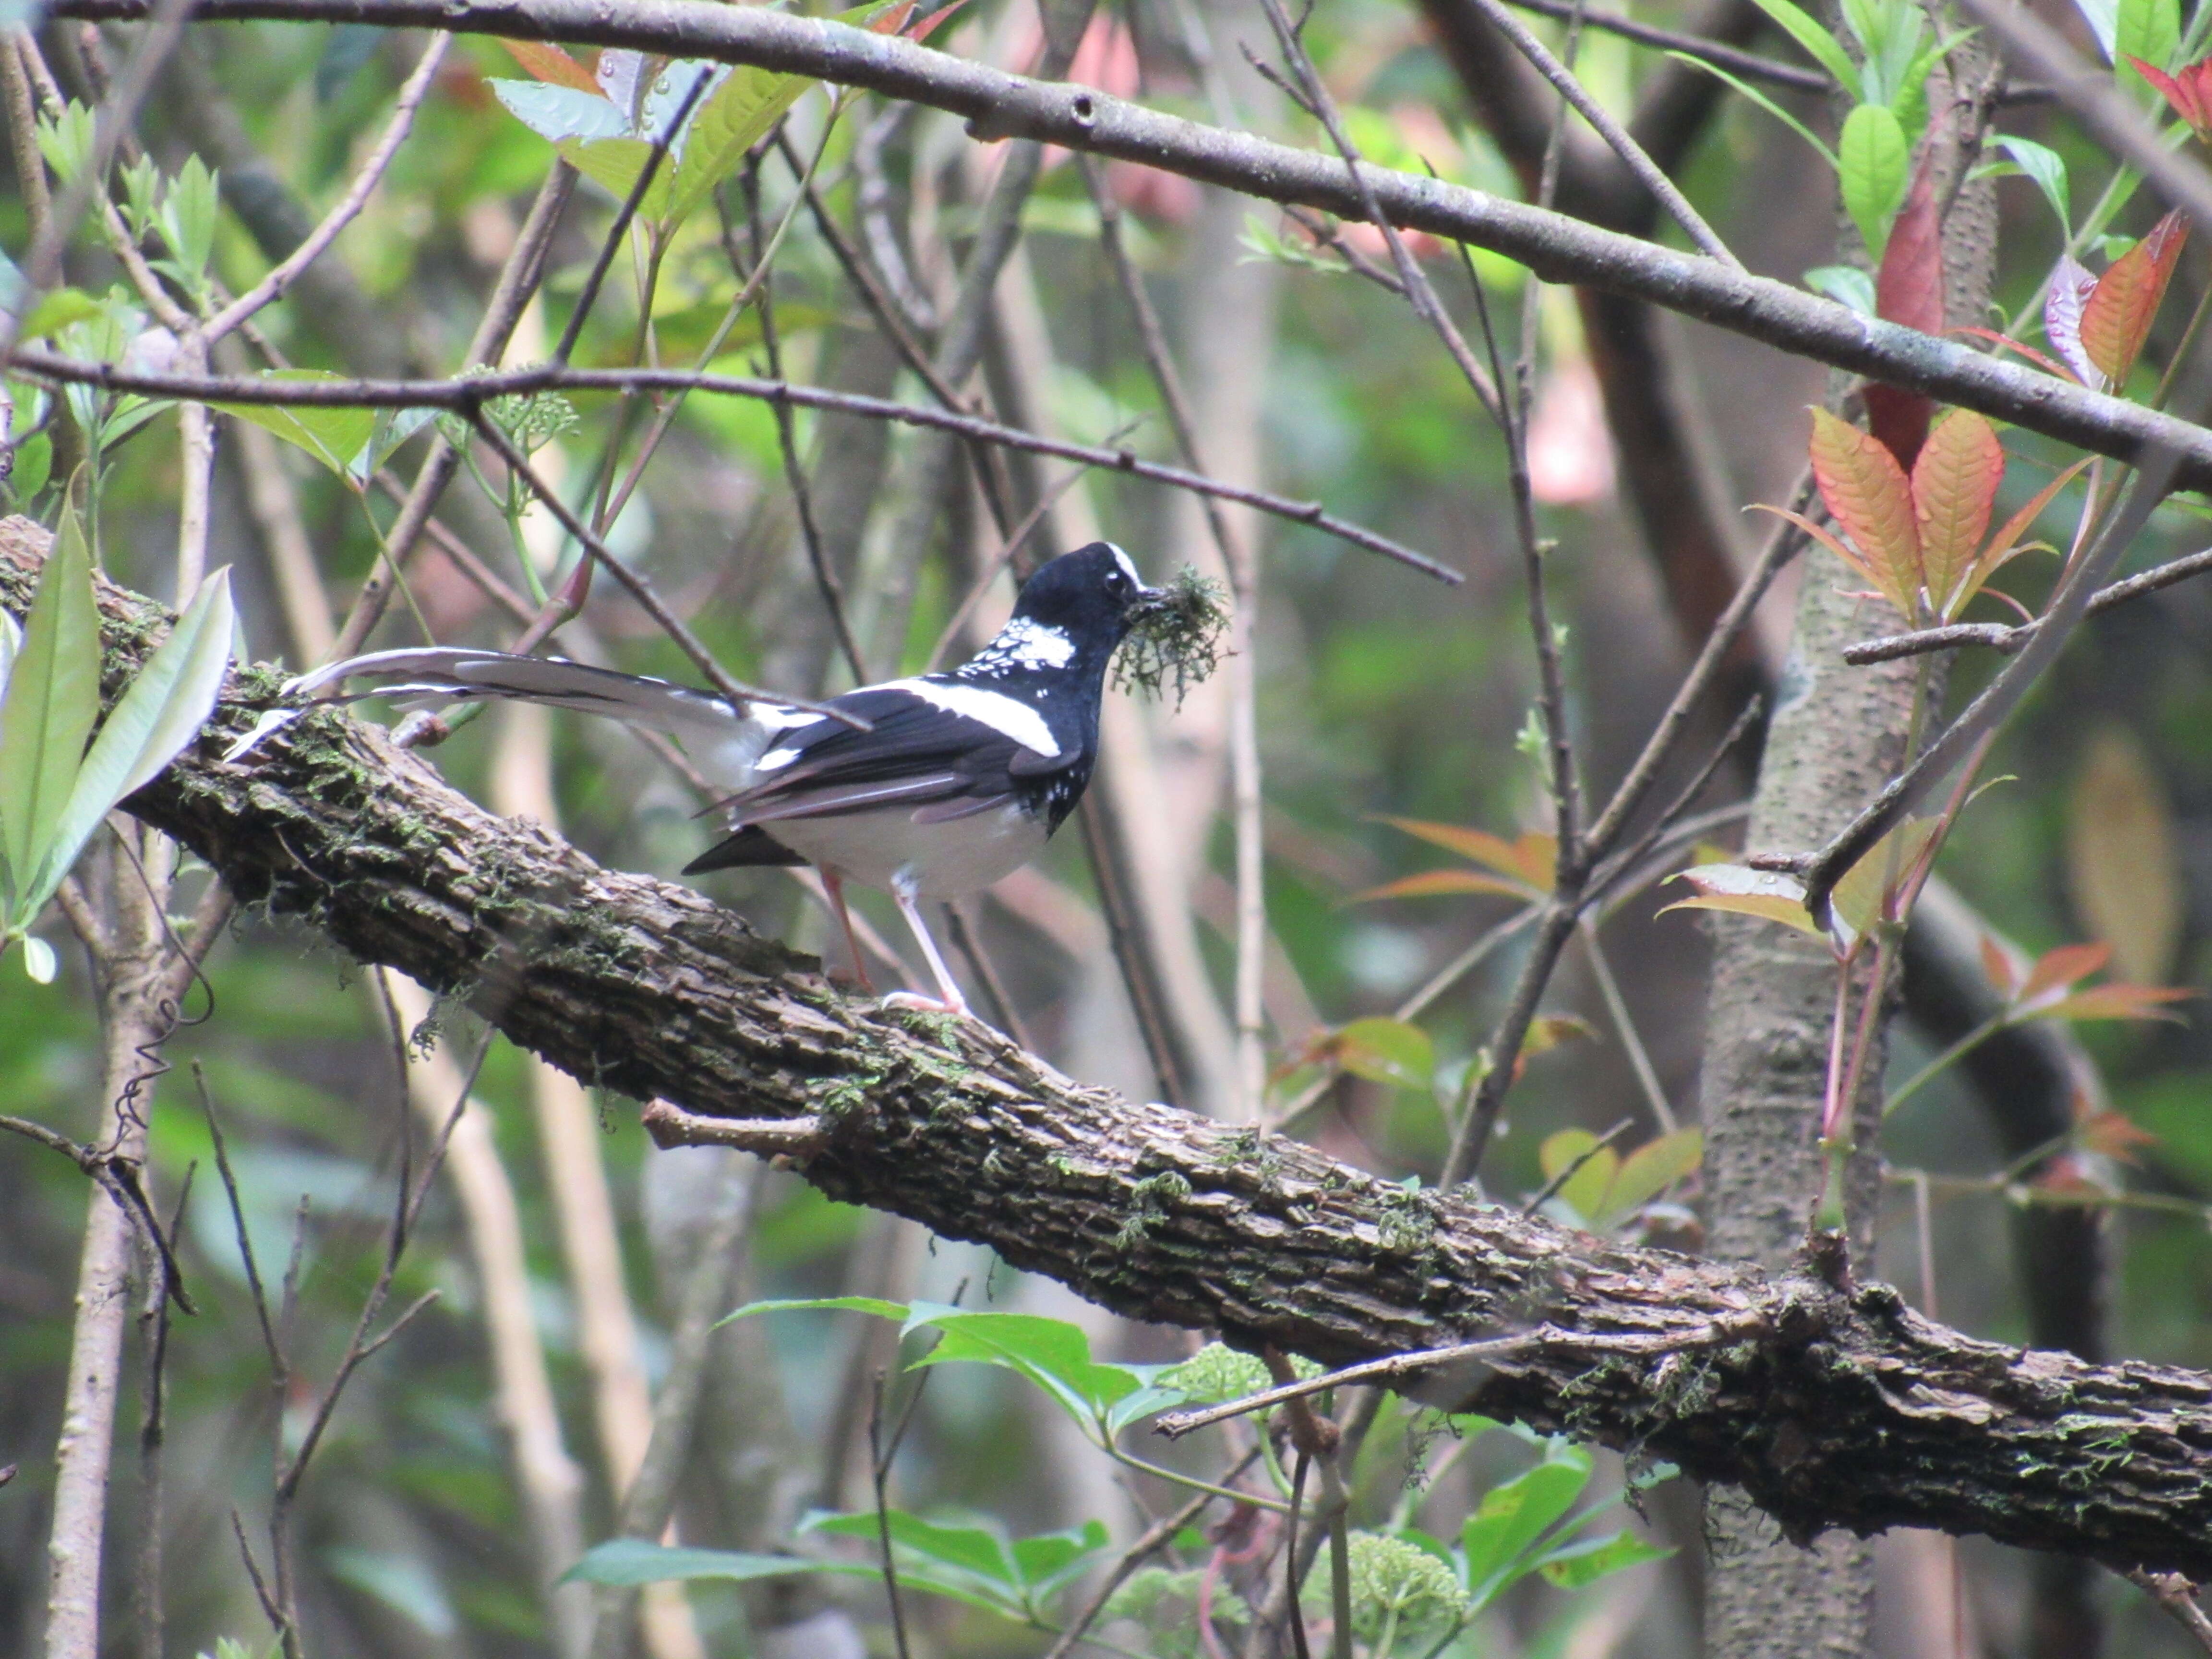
[1090, 596]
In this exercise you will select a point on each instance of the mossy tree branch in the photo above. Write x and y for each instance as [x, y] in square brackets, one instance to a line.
[1832, 1407]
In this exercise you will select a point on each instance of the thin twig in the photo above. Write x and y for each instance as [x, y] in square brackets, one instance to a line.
[271, 287]
[879, 1476]
[2006, 639]
[1552, 1189]
[2177, 1596]
[467, 394]
[1647, 171]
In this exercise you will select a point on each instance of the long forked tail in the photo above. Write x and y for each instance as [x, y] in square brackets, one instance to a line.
[456, 675]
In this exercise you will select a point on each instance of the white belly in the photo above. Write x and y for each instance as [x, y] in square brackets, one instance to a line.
[888, 849]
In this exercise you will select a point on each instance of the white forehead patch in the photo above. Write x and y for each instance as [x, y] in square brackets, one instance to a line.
[1127, 569]
[1008, 716]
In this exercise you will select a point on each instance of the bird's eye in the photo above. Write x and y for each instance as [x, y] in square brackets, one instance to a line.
[1116, 583]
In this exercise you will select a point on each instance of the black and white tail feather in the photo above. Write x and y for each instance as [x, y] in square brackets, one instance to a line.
[951, 781]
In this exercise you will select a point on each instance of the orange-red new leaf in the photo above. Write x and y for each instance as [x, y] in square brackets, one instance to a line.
[2118, 1002]
[2011, 539]
[2117, 319]
[1438, 884]
[547, 62]
[2063, 966]
[1868, 494]
[1955, 488]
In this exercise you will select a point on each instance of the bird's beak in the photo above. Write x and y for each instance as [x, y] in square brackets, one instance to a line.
[1149, 598]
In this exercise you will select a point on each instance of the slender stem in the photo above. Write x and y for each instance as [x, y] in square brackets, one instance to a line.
[1958, 1051]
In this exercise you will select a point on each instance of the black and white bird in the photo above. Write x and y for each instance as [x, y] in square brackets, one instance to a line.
[958, 779]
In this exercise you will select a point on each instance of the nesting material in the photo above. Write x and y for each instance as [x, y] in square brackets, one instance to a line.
[1177, 638]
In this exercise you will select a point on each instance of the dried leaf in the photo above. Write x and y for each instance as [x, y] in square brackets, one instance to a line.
[2116, 319]
[1868, 494]
[1954, 487]
[2123, 864]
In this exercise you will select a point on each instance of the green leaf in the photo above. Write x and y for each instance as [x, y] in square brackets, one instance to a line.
[1384, 1050]
[189, 212]
[1847, 285]
[736, 116]
[1874, 165]
[1584, 1192]
[63, 306]
[34, 465]
[1050, 1560]
[1652, 1168]
[54, 696]
[1765, 102]
[2148, 29]
[1052, 1353]
[2048, 168]
[559, 114]
[1588, 1560]
[159, 713]
[868, 1304]
[1515, 1515]
[1801, 28]
[630, 1561]
[976, 1563]
[38, 960]
[614, 164]
[335, 437]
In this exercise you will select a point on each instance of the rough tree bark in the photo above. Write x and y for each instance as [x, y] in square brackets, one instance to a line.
[1837, 736]
[1833, 1408]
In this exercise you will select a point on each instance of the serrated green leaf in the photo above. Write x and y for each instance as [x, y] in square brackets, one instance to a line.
[1873, 163]
[734, 118]
[189, 213]
[158, 713]
[53, 697]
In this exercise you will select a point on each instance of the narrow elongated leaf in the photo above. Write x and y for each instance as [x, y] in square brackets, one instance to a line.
[11, 641]
[2048, 168]
[631, 1561]
[1527, 859]
[53, 697]
[1909, 290]
[548, 63]
[2059, 968]
[1438, 884]
[159, 713]
[2011, 538]
[2116, 319]
[1752, 94]
[1954, 489]
[2118, 1002]
[850, 1304]
[2148, 29]
[1588, 1560]
[1867, 495]
[1801, 27]
[1736, 888]
[1874, 165]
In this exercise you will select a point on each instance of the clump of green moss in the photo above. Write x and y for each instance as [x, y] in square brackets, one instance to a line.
[1176, 637]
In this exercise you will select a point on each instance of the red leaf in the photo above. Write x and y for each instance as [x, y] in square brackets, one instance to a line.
[1867, 495]
[547, 62]
[1909, 290]
[2113, 1135]
[2118, 1002]
[2117, 319]
[2071, 285]
[2007, 540]
[2190, 92]
[891, 19]
[2049, 365]
[1954, 487]
[1997, 968]
[2063, 966]
[929, 25]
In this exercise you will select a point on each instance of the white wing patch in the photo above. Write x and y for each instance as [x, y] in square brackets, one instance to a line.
[1008, 716]
[1025, 643]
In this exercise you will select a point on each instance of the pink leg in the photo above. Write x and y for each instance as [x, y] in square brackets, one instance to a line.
[949, 998]
[834, 882]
